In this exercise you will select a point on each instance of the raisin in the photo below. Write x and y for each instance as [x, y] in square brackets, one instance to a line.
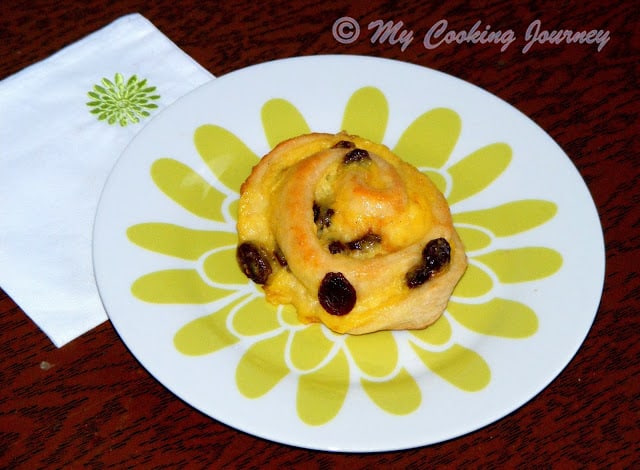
[365, 243]
[253, 262]
[322, 216]
[344, 144]
[435, 256]
[417, 276]
[279, 256]
[336, 294]
[356, 155]
[336, 247]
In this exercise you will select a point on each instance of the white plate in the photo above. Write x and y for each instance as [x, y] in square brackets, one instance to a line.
[547, 264]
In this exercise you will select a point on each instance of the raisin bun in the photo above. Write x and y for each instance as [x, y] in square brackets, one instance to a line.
[349, 234]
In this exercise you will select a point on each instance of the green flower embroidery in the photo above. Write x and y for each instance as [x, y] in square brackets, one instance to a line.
[122, 102]
[323, 364]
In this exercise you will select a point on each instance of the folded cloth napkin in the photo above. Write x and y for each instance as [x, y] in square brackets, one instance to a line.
[63, 124]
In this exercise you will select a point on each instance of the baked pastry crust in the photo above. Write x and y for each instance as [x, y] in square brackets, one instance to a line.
[338, 226]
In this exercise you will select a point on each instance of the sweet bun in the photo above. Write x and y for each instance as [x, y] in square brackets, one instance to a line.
[349, 234]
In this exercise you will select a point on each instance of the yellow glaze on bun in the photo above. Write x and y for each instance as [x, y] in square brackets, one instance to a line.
[337, 226]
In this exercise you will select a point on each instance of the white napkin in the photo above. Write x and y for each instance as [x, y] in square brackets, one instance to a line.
[55, 155]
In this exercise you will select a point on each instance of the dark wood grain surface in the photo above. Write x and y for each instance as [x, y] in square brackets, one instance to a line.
[90, 404]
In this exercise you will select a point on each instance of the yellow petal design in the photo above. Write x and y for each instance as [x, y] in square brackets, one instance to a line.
[174, 240]
[281, 121]
[175, 286]
[474, 283]
[478, 170]
[437, 334]
[321, 393]
[522, 264]
[276, 344]
[366, 114]
[289, 315]
[437, 179]
[375, 354]
[458, 365]
[233, 209]
[255, 318]
[221, 267]
[400, 395]
[309, 348]
[430, 139]
[205, 335]
[473, 239]
[510, 218]
[262, 366]
[226, 155]
[187, 188]
[497, 317]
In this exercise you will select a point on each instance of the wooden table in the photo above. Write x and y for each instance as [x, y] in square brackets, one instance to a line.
[91, 404]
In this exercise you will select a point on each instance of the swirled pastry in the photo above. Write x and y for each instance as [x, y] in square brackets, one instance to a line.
[349, 234]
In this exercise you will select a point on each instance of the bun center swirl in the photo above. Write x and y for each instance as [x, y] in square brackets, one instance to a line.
[343, 225]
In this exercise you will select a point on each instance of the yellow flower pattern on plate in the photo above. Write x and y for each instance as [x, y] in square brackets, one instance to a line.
[326, 365]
